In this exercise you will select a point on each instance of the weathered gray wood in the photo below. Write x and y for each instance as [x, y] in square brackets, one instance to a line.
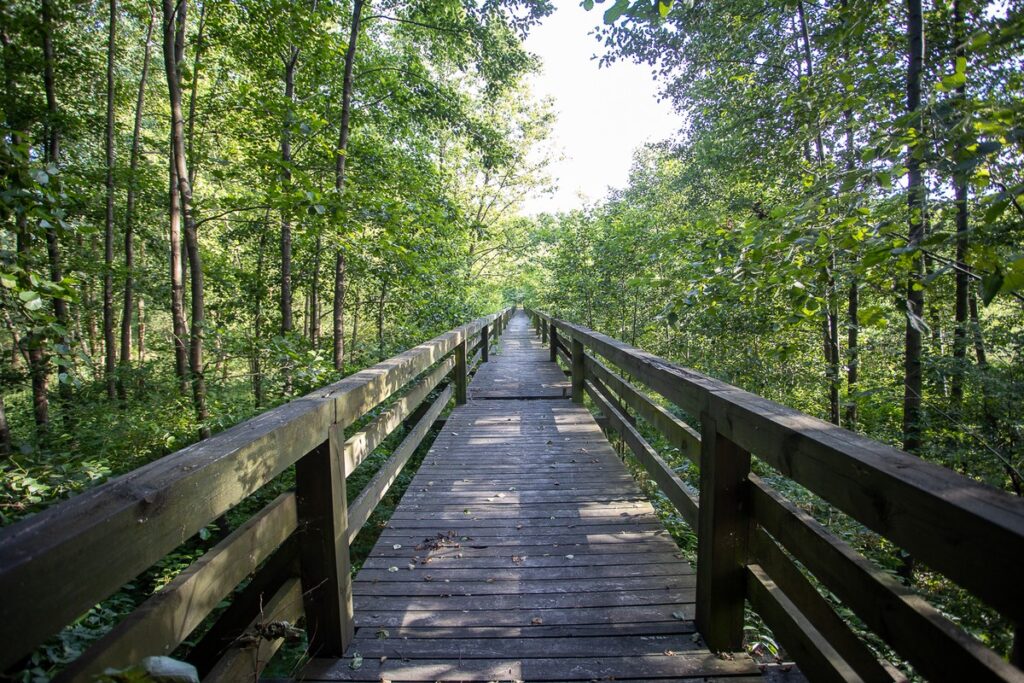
[245, 605]
[813, 653]
[165, 620]
[722, 533]
[323, 549]
[795, 586]
[378, 486]
[485, 344]
[461, 379]
[971, 532]
[578, 372]
[362, 443]
[245, 659]
[679, 434]
[522, 522]
[553, 342]
[143, 515]
[935, 646]
[526, 648]
[662, 665]
[667, 480]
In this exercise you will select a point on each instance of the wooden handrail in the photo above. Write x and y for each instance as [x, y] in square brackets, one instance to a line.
[59, 563]
[972, 533]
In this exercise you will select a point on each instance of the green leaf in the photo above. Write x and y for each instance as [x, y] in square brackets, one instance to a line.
[588, 5]
[870, 315]
[357, 661]
[990, 286]
[663, 7]
[612, 14]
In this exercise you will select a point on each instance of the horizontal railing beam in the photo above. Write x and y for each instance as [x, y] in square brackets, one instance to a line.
[972, 533]
[141, 516]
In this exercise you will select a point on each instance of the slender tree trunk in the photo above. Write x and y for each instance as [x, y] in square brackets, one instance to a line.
[193, 164]
[286, 221]
[129, 215]
[979, 341]
[5, 431]
[829, 326]
[912, 380]
[53, 130]
[109, 349]
[140, 337]
[339, 185]
[255, 363]
[963, 282]
[380, 319]
[314, 296]
[853, 295]
[355, 321]
[37, 361]
[174, 43]
[179, 329]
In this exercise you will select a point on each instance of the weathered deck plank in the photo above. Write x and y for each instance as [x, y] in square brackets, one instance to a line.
[524, 550]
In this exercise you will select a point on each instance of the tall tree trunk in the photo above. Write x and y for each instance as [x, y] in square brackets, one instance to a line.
[963, 282]
[174, 45]
[53, 130]
[339, 185]
[286, 220]
[140, 336]
[912, 376]
[829, 326]
[179, 329]
[129, 215]
[193, 164]
[314, 296]
[853, 294]
[109, 349]
[380, 319]
[255, 363]
[5, 431]
[355, 321]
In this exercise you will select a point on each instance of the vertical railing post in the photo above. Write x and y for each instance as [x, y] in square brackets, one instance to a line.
[485, 344]
[577, 370]
[323, 547]
[723, 531]
[460, 373]
[542, 328]
[553, 338]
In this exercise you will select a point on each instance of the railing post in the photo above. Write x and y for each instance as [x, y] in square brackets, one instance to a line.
[485, 344]
[460, 373]
[542, 329]
[323, 547]
[553, 338]
[723, 530]
[577, 370]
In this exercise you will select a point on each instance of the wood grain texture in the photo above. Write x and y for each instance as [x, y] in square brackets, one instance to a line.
[523, 549]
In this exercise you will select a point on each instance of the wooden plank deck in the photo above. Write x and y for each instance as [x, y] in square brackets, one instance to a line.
[523, 550]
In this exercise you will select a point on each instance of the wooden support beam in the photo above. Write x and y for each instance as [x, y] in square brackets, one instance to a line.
[578, 371]
[485, 342]
[460, 373]
[323, 548]
[553, 340]
[722, 536]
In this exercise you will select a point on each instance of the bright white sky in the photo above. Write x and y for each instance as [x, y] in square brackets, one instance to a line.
[604, 114]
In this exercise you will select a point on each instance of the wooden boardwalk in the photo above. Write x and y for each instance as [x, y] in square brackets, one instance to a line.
[524, 550]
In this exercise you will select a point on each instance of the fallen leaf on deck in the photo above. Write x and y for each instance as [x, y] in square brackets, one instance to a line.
[357, 661]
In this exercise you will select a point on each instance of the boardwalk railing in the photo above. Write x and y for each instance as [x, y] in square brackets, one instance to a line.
[752, 542]
[58, 564]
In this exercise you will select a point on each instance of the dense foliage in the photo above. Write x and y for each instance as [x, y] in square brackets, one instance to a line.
[349, 170]
[838, 227]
